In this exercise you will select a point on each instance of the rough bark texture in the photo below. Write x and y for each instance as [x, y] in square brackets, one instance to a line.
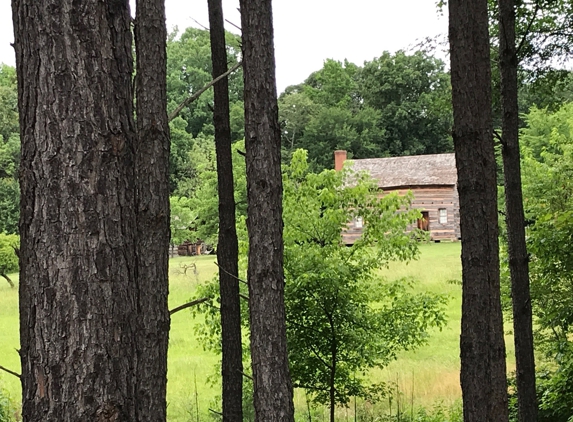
[77, 258]
[227, 247]
[483, 370]
[152, 208]
[517, 250]
[272, 384]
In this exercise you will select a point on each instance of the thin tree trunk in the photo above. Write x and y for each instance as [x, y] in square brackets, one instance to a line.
[272, 384]
[515, 220]
[152, 207]
[77, 260]
[332, 382]
[227, 247]
[10, 282]
[483, 369]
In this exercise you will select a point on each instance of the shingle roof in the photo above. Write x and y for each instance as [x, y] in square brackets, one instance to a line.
[415, 170]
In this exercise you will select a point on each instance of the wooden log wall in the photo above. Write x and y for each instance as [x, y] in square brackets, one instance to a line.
[426, 198]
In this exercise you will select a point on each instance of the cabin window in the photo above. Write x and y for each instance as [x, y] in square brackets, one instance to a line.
[443, 216]
[358, 223]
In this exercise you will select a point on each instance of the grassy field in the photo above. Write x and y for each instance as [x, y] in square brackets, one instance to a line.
[424, 376]
[431, 373]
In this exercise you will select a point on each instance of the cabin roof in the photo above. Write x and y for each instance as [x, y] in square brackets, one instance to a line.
[414, 170]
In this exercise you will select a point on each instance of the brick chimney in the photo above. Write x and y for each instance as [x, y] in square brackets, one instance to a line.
[339, 159]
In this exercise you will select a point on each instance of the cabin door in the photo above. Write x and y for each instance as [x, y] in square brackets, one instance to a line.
[424, 222]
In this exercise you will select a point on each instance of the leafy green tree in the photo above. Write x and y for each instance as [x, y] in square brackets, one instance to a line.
[334, 85]
[372, 319]
[548, 90]
[333, 128]
[413, 95]
[397, 104]
[9, 151]
[189, 68]
[542, 30]
[547, 157]
[181, 145]
[342, 318]
[182, 219]
[9, 244]
[295, 112]
[548, 189]
[199, 159]
[8, 102]
[9, 204]
[204, 199]
[543, 43]
[325, 113]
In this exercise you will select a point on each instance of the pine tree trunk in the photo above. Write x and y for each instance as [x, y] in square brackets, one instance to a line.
[272, 383]
[152, 208]
[227, 248]
[515, 220]
[78, 306]
[483, 369]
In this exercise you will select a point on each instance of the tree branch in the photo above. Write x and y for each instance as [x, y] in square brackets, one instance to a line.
[246, 375]
[231, 23]
[232, 275]
[242, 296]
[526, 33]
[10, 372]
[215, 412]
[497, 136]
[315, 352]
[201, 91]
[189, 305]
[308, 387]
[200, 24]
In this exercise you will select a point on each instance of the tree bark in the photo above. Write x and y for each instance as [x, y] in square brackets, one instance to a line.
[272, 384]
[483, 368]
[78, 306]
[515, 220]
[152, 208]
[227, 247]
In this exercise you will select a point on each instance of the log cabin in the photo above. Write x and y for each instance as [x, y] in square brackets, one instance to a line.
[431, 178]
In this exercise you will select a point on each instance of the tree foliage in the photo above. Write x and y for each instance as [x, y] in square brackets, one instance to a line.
[397, 104]
[182, 219]
[342, 318]
[9, 151]
[413, 94]
[547, 155]
[189, 68]
[334, 299]
[548, 187]
[204, 198]
[9, 244]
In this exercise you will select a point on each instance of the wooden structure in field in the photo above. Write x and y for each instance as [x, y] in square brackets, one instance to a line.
[431, 178]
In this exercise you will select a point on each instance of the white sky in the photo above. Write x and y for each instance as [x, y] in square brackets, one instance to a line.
[307, 31]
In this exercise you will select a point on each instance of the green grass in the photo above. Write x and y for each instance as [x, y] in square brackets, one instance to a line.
[9, 337]
[189, 364]
[432, 371]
